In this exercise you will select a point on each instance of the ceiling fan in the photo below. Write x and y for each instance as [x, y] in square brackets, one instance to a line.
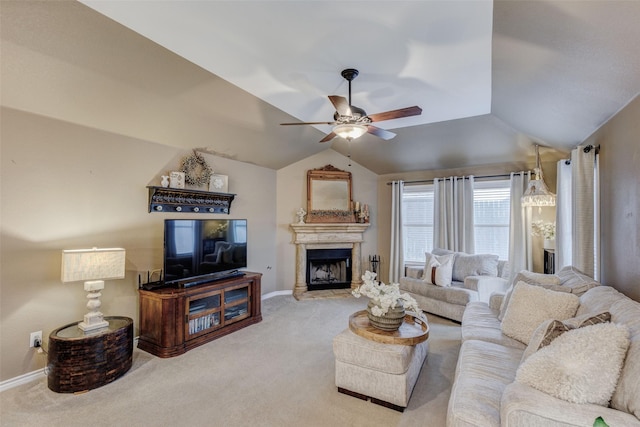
[351, 122]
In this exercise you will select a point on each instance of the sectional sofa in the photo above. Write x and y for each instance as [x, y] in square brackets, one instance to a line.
[581, 363]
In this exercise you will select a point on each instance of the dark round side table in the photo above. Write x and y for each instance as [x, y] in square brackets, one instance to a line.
[79, 362]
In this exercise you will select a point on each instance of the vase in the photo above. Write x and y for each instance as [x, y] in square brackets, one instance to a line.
[549, 244]
[390, 321]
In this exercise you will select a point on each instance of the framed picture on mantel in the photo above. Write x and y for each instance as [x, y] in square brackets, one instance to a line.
[219, 183]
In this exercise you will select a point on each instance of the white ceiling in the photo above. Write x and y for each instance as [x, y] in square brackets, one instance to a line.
[492, 78]
[433, 54]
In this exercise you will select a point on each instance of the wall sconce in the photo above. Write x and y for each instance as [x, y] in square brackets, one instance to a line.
[94, 266]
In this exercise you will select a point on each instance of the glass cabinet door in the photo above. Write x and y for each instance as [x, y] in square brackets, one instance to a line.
[236, 304]
[203, 313]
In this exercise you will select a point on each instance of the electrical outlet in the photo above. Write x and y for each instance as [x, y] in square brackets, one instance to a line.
[35, 336]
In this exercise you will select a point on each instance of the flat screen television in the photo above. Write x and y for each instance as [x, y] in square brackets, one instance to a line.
[198, 250]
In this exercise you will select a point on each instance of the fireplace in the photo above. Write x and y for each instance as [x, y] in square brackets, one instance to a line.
[328, 269]
[338, 236]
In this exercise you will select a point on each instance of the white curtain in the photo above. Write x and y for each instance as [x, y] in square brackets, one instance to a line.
[564, 255]
[396, 253]
[577, 230]
[583, 212]
[453, 214]
[520, 241]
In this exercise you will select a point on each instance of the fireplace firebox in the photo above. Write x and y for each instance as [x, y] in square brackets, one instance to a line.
[328, 269]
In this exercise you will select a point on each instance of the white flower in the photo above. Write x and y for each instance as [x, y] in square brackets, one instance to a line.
[384, 296]
[543, 229]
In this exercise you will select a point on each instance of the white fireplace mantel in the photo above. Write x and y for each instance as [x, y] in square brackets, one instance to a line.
[327, 236]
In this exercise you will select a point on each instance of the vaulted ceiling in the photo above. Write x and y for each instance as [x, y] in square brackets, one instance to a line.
[492, 78]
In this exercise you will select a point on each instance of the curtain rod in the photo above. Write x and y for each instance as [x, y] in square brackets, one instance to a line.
[430, 181]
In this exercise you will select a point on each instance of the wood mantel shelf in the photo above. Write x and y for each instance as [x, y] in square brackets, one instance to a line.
[163, 199]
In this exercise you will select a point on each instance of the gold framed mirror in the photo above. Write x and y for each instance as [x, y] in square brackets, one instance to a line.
[329, 195]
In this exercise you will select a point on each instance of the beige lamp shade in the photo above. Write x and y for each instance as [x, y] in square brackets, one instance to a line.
[93, 264]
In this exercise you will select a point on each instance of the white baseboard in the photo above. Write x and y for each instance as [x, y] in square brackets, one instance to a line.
[22, 379]
[275, 294]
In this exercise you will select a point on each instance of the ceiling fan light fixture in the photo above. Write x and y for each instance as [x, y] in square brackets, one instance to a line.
[350, 131]
[537, 192]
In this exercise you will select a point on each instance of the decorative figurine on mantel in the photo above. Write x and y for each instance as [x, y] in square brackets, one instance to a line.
[301, 213]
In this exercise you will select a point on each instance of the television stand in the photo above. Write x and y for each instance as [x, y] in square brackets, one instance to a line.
[175, 320]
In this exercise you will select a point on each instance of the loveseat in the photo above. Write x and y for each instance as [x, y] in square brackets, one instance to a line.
[473, 278]
[502, 381]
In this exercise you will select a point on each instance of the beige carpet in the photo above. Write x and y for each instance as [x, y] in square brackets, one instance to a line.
[278, 372]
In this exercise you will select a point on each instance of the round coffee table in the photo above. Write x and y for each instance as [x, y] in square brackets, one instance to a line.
[413, 330]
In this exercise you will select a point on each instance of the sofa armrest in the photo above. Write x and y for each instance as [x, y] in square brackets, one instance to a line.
[414, 272]
[486, 285]
[524, 405]
[495, 301]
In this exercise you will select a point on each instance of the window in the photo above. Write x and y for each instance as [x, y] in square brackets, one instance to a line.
[417, 222]
[491, 210]
[491, 202]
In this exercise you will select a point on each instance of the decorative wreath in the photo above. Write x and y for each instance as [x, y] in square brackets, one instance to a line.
[196, 170]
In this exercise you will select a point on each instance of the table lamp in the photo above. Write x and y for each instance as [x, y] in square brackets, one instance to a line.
[94, 266]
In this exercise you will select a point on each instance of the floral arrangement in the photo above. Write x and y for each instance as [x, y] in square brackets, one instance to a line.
[384, 296]
[543, 229]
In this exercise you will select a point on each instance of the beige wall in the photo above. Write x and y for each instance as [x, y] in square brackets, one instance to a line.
[619, 141]
[292, 194]
[68, 187]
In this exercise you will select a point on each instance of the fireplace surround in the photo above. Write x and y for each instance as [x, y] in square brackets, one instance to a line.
[327, 236]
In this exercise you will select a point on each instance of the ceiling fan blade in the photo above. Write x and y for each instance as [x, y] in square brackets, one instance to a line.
[341, 104]
[308, 123]
[396, 114]
[328, 137]
[380, 133]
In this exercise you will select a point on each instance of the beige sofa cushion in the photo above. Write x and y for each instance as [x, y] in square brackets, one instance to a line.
[483, 371]
[479, 322]
[530, 305]
[455, 294]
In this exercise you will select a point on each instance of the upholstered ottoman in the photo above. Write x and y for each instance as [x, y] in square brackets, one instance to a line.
[384, 373]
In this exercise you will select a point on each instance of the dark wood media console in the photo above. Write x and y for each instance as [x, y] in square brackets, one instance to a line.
[173, 321]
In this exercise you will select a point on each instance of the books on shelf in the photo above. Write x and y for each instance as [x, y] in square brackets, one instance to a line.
[205, 322]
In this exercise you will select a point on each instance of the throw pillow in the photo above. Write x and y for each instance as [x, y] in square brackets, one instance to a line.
[549, 281]
[577, 282]
[437, 269]
[580, 366]
[529, 306]
[474, 265]
[552, 329]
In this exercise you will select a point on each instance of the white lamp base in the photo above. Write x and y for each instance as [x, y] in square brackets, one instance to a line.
[94, 319]
[89, 328]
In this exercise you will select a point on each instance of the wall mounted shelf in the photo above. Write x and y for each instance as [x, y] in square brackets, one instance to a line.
[163, 199]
